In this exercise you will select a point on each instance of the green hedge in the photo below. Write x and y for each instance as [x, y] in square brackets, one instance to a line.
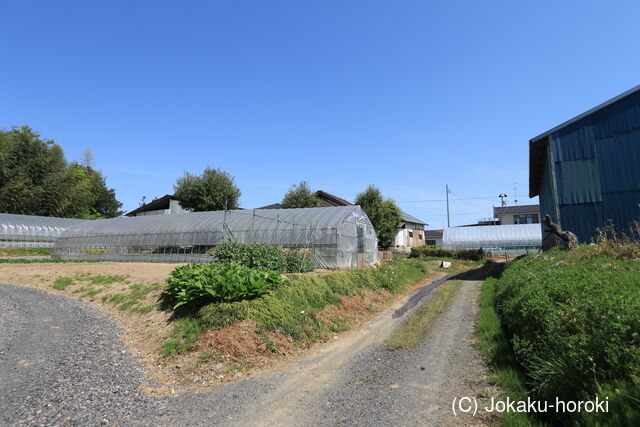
[573, 319]
[430, 251]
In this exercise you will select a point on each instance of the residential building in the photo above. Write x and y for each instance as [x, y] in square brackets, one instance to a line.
[586, 172]
[433, 237]
[409, 233]
[517, 214]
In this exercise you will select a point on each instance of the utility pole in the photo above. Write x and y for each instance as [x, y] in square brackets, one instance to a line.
[448, 220]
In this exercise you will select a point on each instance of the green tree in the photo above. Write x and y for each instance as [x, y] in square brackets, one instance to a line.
[35, 179]
[383, 214]
[214, 190]
[300, 196]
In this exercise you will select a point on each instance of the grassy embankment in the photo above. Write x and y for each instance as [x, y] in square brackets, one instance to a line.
[565, 325]
[306, 309]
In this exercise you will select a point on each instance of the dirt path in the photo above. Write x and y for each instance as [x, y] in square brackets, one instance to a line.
[353, 380]
[356, 381]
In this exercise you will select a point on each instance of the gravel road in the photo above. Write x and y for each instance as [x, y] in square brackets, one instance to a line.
[61, 363]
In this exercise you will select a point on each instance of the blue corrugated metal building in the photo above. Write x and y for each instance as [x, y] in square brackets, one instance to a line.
[587, 170]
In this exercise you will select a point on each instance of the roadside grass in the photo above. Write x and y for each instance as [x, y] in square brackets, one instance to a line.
[417, 326]
[46, 261]
[296, 308]
[495, 347]
[572, 321]
[93, 284]
[61, 283]
[17, 252]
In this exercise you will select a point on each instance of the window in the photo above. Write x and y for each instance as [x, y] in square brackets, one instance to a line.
[411, 234]
[526, 219]
[430, 242]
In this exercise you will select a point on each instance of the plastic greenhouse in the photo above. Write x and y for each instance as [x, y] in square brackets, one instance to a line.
[334, 237]
[32, 231]
[518, 238]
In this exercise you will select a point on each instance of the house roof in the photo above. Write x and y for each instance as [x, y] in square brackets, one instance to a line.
[155, 205]
[405, 217]
[516, 209]
[272, 206]
[538, 145]
[433, 233]
[331, 198]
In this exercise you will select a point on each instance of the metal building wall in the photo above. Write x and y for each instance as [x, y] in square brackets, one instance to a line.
[596, 162]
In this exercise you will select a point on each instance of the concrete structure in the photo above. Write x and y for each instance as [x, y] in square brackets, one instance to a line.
[586, 169]
[518, 214]
[166, 204]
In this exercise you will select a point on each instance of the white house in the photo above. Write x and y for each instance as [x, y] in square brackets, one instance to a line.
[409, 233]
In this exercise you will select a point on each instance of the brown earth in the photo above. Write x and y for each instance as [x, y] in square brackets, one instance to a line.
[220, 356]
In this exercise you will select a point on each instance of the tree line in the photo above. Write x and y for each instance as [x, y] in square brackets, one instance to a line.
[36, 179]
[215, 189]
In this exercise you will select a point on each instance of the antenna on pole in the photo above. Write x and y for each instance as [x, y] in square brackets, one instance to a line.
[515, 193]
[502, 202]
[448, 191]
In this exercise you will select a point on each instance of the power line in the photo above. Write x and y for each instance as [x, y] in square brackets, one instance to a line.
[444, 200]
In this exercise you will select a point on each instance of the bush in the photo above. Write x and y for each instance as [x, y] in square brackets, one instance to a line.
[197, 284]
[263, 256]
[428, 251]
[572, 318]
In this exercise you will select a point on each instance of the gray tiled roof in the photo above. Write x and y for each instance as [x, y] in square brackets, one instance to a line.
[405, 217]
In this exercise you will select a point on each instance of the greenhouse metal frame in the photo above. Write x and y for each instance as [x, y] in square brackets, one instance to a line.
[32, 231]
[334, 237]
[512, 238]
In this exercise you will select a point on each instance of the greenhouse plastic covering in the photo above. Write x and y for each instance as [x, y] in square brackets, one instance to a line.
[334, 237]
[32, 231]
[495, 238]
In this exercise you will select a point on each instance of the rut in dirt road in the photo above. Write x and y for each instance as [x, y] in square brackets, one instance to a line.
[357, 381]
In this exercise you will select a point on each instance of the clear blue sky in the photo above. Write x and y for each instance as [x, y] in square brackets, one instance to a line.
[407, 95]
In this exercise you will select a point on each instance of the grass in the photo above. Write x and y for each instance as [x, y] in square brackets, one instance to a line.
[294, 309]
[572, 321]
[45, 261]
[17, 252]
[61, 283]
[93, 284]
[495, 347]
[416, 327]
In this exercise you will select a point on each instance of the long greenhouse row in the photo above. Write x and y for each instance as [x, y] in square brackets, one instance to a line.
[334, 237]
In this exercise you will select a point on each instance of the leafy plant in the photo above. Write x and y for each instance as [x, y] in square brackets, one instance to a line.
[197, 284]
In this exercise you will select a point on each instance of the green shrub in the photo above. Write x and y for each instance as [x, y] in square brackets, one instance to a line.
[261, 255]
[197, 284]
[429, 251]
[572, 319]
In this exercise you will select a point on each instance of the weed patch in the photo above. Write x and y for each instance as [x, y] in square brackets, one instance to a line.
[61, 283]
[417, 326]
[572, 320]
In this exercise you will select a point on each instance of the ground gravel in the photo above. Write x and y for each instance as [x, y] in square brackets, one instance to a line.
[61, 363]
